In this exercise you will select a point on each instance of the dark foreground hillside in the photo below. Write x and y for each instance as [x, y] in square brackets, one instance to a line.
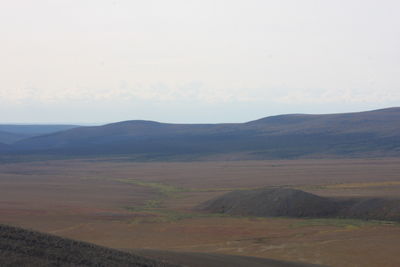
[19, 247]
[287, 202]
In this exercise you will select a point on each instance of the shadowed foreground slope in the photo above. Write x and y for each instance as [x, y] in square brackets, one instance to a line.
[19, 247]
[287, 202]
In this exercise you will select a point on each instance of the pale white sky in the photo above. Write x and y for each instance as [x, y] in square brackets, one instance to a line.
[195, 61]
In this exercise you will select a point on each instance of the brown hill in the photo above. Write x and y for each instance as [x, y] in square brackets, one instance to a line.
[271, 202]
[373, 208]
[287, 202]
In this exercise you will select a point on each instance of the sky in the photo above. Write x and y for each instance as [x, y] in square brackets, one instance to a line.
[190, 61]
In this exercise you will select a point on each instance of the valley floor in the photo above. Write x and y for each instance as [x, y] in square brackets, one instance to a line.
[129, 205]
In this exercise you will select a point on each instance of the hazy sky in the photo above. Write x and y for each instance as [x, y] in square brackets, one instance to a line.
[195, 61]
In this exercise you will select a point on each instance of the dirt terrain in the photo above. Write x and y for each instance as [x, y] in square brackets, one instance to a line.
[193, 259]
[129, 205]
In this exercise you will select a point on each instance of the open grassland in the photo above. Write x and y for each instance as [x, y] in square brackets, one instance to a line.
[128, 205]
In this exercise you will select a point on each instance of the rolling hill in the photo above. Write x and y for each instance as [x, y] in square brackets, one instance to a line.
[287, 202]
[9, 138]
[3, 147]
[35, 129]
[272, 202]
[10, 133]
[372, 133]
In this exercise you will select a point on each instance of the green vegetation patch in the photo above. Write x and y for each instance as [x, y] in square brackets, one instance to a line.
[170, 190]
[155, 206]
[164, 215]
[164, 189]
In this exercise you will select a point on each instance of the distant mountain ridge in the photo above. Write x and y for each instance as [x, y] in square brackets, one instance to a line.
[9, 138]
[20, 247]
[11, 133]
[284, 136]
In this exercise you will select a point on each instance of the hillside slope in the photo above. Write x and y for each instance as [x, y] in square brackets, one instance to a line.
[35, 129]
[3, 147]
[19, 247]
[285, 136]
[193, 259]
[271, 202]
[287, 202]
[10, 133]
[9, 138]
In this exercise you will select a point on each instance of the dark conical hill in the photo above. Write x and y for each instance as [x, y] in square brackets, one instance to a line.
[272, 202]
[287, 202]
[373, 208]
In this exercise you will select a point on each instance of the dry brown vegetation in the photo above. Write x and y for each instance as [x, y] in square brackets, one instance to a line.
[128, 205]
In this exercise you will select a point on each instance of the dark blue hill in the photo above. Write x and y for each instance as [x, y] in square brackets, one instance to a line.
[373, 133]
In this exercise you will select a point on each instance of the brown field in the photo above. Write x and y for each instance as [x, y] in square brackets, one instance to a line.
[128, 205]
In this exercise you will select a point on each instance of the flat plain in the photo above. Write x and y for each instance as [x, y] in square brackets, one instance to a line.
[132, 206]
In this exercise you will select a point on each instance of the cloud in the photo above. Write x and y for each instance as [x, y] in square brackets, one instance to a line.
[192, 91]
[195, 92]
[339, 96]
